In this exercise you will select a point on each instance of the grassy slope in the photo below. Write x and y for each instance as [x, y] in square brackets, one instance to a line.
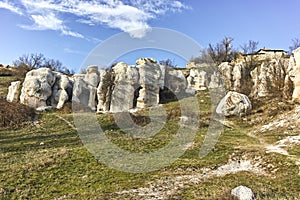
[48, 161]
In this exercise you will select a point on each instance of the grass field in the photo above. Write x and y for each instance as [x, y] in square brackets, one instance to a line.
[47, 160]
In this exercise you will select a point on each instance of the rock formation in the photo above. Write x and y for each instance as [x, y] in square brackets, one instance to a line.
[150, 74]
[43, 87]
[124, 87]
[234, 104]
[125, 83]
[14, 91]
[104, 91]
[61, 90]
[296, 92]
[37, 87]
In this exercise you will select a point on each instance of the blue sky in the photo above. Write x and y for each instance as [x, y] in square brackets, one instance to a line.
[68, 30]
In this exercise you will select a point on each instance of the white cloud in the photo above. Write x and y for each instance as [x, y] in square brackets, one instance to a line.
[131, 16]
[12, 8]
[50, 22]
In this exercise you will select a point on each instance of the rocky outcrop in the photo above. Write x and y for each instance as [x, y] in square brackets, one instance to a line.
[61, 90]
[37, 87]
[150, 73]
[234, 104]
[202, 77]
[104, 91]
[43, 87]
[268, 78]
[296, 70]
[175, 81]
[125, 83]
[242, 193]
[14, 91]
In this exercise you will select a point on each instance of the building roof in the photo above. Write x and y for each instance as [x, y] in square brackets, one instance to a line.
[271, 50]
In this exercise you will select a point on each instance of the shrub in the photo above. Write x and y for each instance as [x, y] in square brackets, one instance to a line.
[14, 115]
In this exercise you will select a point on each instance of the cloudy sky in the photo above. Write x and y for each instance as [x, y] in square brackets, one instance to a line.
[68, 30]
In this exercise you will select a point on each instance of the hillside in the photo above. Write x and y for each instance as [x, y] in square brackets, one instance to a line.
[47, 160]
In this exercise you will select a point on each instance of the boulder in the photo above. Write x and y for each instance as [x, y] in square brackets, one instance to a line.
[150, 73]
[125, 83]
[14, 91]
[242, 193]
[234, 104]
[37, 87]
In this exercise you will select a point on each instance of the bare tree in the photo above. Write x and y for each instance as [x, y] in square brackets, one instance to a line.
[35, 61]
[295, 44]
[222, 51]
[31, 60]
[250, 47]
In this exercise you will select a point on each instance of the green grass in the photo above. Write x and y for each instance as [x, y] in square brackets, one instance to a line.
[49, 161]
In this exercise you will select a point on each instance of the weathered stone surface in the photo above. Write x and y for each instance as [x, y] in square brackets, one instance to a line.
[61, 90]
[215, 80]
[14, 91]
[234, 104]
[296, 92]
[37, 87]
[81, 91]
[242, 193]
[226, 74]
[150, 73]
[125, 83]
[104, 91]
[237, 76]
[175, 81]
[268, 79]
[197, 79]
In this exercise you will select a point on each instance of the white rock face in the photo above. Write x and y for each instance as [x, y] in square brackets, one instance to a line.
[197, 79]
[104, 91]
[14, 91]
[242, 193]
[37, 87]
[85, 87]
[234, 104]
[125, 84]
[296, 92]
[215, 81]
[237, 76]
[150, 73]
[268, 79]
[81, 90]
[226, 74]
[61, 90]
[92, 79]
[175, 81]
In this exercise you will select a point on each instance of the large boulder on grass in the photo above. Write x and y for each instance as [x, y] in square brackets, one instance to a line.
[37, 87]
[234, 104]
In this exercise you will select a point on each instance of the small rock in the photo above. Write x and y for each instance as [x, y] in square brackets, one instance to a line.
[242, 193]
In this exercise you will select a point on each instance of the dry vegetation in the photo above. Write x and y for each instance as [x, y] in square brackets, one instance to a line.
[15, 115]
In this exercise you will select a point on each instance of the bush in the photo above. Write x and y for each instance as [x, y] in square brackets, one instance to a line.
[14, 115]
